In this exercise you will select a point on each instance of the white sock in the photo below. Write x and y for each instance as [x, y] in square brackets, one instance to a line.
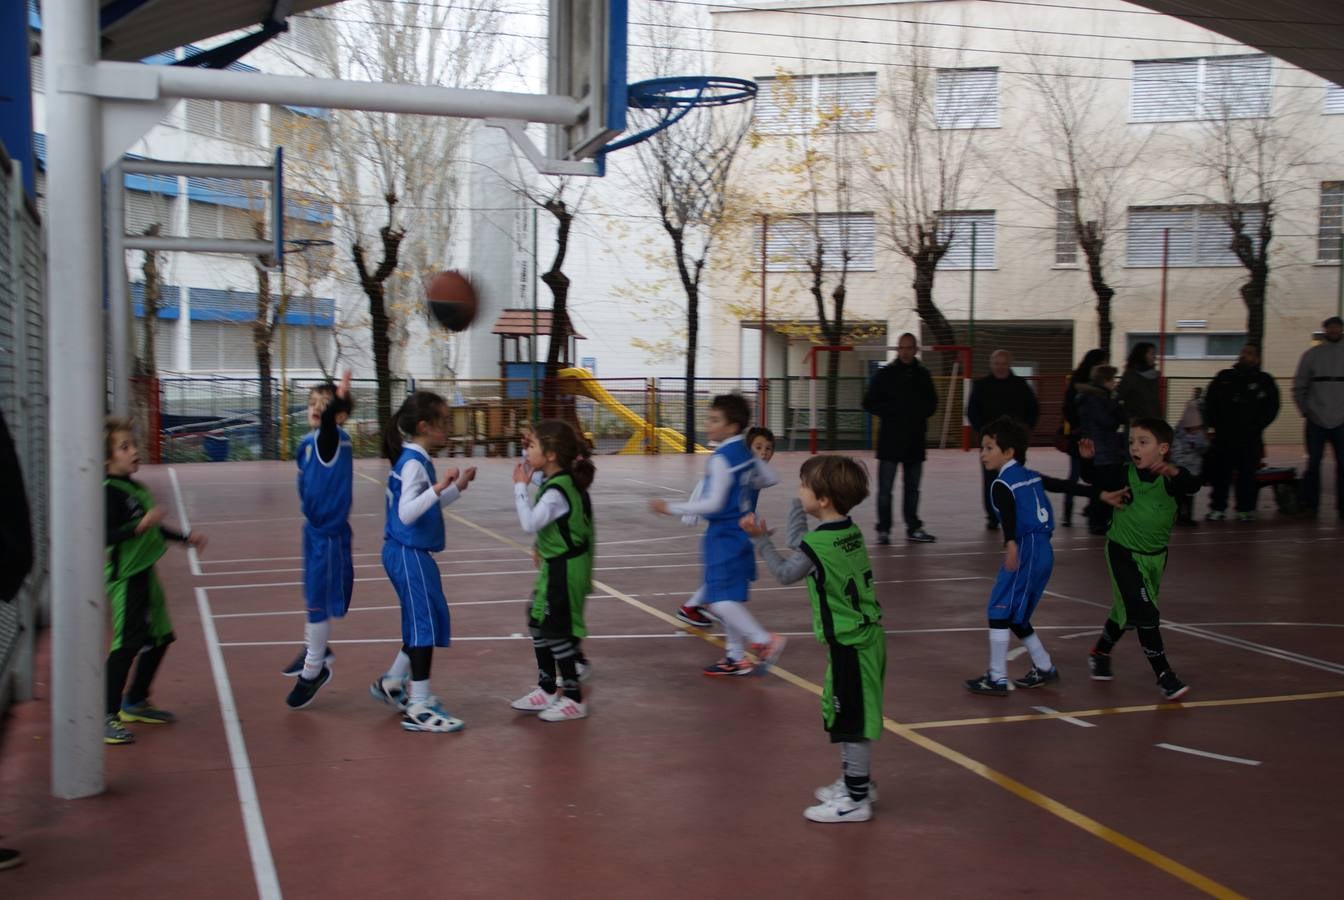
[732, 635]
[998, 654]
[697, 599]
[400, 668]
[419, 691]
[739, 618]
[1039, 658]
[315, 635]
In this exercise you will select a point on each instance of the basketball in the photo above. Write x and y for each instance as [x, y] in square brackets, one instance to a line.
[451, 300]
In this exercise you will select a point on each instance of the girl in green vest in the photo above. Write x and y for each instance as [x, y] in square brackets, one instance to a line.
[561, 517]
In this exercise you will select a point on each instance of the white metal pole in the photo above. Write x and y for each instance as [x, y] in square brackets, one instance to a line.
[75, 373]
[118, 302]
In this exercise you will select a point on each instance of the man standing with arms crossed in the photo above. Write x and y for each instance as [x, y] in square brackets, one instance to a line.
[901, 395]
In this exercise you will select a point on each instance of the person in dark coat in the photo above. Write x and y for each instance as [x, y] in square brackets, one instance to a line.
[1101, 419]
[1239, 405]
[1071, 427]
[16, 551]
[1000, 393]
[1140, 388]
[901, 395]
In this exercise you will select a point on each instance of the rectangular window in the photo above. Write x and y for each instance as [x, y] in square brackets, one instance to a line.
[218, 118]
[1212, 87]
[222, 346]
[1197, 235]
[145, 209]
[1332, 220]
[792, 241]
[1066, 232]
[967, 98]
[958, 227]
[1334, 100]
[797, 104]
[1182, 345]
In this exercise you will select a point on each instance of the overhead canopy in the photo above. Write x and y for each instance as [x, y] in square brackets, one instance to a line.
[1307, 33]
[524, 322]
[136, 29]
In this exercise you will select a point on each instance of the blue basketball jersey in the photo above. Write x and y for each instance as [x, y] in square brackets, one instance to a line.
[1034, 512]
[325, 488]
[426, 532]
[741, 495]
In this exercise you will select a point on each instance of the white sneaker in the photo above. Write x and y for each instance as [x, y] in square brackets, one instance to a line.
[563, 710]
[840, 810]
[536, 700]
[837, 790]
[429, 715]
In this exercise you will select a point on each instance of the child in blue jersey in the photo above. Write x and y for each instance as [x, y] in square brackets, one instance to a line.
[326, 477]
[730, 562]
[414, 532]
[761, 442]
[1019, 501]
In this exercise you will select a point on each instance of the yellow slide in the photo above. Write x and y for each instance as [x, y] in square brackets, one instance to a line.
[581, 381]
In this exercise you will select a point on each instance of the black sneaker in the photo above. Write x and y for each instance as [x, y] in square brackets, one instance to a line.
[694, 615]
[10, 858]
[986, 685]
[884, 538]
[1099, 666]
[1172, 687]
[1035, 677]
[305, 691]
[992, 524]
[920, 536]
[293, 669]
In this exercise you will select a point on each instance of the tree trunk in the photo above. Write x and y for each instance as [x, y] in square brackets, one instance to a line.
[149, 364]
[1093, 244]
[1256, 261]
[834, 333]
[941, 329]
[690, 283]
[1253, 294]
[372, 284]
[263, 328]
[558, 283]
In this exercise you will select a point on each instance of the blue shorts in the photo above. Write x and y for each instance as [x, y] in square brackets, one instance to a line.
[1016, 594]
[730, 563]
[328, 573]
[424, 611]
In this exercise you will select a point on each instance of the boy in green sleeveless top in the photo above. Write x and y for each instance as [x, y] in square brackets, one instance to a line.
[845, 617]
[141, 629]
[1136, 546]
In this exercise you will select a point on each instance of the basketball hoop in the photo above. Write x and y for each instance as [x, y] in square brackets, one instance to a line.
[672, 98]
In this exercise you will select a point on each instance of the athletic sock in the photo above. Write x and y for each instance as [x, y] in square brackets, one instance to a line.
[998, 654]
[856, 761]
[697, 599]
[545, 665]
[1039, 658]
[735, 614]
[569, 677]
[400, 668]
[419, 691]
[1111, 633]
[315, 636]
[734, 647]
[1151, 641]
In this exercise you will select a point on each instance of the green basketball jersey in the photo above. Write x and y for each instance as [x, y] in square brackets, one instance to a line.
[844, 604]
[141, 551]
[1144, 524]
[566, 574]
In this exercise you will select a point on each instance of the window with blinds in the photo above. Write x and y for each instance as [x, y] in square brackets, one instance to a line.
[218, 118]
[211, 221]
[966, 98]
[799, 103]
[1197, 235]
[1066, 232]
[792, 241]
[1211, 87]
[144, 209]
[37, 74]
[222, 346]
[1334, 100]
[1332, 221]
[958, 228]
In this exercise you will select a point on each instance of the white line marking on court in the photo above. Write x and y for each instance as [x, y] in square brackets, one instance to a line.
[1069, 637]
[661, 487]
[1232, 759]
[1070, 719]
[263, 865]
[1015, 653]
[192, 558]
[355, 609]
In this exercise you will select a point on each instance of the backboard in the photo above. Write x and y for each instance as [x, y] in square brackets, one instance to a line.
[587, 62]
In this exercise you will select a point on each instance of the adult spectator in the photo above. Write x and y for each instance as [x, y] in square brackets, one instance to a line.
[901, 395]
[1000, 393]
[1140, 390]
[1239, 405]
[1318, 391]
[16, 551]
[1072, 427]
[1101, 419]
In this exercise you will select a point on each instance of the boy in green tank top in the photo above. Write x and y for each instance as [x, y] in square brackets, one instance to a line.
[845, 617]
[1136, 545]
[141, 629]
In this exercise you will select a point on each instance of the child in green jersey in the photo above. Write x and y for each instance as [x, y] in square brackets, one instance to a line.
[845, 618]
[561, 517]
[1136, 545]
[141, 629]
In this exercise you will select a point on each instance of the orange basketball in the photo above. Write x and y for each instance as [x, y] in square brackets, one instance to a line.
[451, 300]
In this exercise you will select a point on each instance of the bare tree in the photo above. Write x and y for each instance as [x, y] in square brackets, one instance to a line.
[147, 359]
[374, 285]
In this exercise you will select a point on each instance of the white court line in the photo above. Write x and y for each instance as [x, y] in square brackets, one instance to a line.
[475, 550]
[192, 558]
[1208, 755]
[1069, 637]
[354, 609]
[1015, 653]
[263, 865]
[1070, 719]
[661, 487]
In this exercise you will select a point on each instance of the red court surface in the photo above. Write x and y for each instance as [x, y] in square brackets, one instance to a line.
[679, 785]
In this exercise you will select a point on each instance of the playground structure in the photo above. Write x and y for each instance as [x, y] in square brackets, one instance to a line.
[647, 437]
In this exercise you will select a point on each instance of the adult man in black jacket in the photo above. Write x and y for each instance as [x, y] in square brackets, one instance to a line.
[1000, 393]
[1238, 407]
[901, 395]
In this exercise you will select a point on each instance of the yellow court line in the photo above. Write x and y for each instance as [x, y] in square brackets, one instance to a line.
[1013, 786]
[1120, 710]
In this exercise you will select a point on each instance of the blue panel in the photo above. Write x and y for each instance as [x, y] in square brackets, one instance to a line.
[215, 305]
[170, 300]
[310, 211]
[312, 112]
[222, 192]
[16, 93]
